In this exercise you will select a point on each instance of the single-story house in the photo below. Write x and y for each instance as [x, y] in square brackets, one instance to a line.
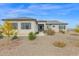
[27, 25]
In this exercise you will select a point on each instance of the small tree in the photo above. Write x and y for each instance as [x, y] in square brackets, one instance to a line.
[7, 29]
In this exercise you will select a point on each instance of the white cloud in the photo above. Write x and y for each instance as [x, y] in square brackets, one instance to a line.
[38, 10]
[44, 6]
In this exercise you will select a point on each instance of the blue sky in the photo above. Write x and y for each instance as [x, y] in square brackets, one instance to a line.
[66, 12]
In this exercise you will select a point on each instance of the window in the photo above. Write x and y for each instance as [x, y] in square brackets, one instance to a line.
[14, 25]
[61, 26]
[53, 25]
[25, 25]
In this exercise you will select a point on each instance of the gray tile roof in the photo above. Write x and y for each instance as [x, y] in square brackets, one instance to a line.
[55, 22]
[41, 21]
[19, 19]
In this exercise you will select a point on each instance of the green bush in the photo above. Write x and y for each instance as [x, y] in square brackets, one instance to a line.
[1, 36]
[37, 33]
[50, 32]
[31, 36]
[14, 36]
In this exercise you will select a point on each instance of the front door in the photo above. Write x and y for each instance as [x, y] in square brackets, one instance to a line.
[40, 27]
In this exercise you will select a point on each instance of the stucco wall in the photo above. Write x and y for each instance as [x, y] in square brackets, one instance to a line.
[34, 27]
[25, 32]
[45, 26]
[56, 28]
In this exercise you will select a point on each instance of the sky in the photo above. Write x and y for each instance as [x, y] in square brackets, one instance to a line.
[66, 12]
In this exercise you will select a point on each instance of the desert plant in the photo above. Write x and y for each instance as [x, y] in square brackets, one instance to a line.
[36, 32]
[1, 36]
[76, 29]
[44, 31]
[31, 36]
[8, 29]
[60, 44]
[62, 31]
[50, 32]
[1, 31]
[14, 36]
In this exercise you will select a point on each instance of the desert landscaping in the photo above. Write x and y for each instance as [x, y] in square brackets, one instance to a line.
[68, 45]
[39, 29]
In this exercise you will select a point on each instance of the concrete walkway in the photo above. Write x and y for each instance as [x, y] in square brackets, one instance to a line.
[41, 34]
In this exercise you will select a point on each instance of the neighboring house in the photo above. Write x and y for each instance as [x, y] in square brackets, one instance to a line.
[27, 25]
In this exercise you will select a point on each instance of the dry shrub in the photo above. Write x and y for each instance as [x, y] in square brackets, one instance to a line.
[44, 31]
[76, 30]
[50, 32]
[61, 31]
[60, 44]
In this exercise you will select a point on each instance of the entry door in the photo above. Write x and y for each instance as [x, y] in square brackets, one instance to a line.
[40, 27]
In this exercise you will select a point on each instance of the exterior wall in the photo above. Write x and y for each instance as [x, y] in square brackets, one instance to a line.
[65, 28]
[56, 28]
[25, 32]
[34, 27]
[45, 26]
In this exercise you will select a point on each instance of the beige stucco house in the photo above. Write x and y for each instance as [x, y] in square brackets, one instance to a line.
[24, 26]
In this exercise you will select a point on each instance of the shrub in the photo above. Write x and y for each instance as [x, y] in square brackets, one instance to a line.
[60, 44]
[44, 31]
[76, 29]
[8, 30]
[62, 31]
[50, 32]
[37, 33]
[14, 36]
[32, 36]
[1, 36]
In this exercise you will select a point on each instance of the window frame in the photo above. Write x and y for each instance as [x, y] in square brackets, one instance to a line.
[23, 26]
[62, 27]
[16, 26]
[53, 26]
